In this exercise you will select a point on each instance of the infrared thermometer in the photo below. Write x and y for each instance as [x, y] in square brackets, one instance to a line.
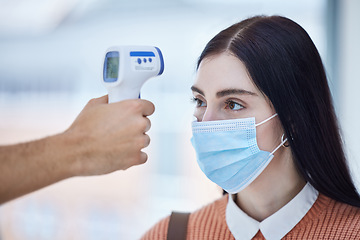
[127, 68]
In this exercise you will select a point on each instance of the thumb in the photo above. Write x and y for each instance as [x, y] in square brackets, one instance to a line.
[100, 100]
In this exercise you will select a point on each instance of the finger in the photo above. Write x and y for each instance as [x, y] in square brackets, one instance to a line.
[146, 141]
[143, 158]
[148, 124]
[145, 107]
[148, 107]
[140, 159]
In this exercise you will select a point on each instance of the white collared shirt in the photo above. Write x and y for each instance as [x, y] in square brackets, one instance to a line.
[275, 226]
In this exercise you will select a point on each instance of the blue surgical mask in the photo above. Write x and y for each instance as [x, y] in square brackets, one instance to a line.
[227, 152]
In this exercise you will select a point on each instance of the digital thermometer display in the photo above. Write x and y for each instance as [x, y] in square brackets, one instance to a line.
[127, 68]
[111, 67]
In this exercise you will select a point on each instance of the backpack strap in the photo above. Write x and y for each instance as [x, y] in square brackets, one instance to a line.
[178, 226]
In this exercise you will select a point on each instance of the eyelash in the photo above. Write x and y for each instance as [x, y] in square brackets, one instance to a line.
[228, 102]
[199, 102]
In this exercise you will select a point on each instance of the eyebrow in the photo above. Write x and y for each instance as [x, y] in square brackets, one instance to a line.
[226, 92]
[195, 89]
[234, 91]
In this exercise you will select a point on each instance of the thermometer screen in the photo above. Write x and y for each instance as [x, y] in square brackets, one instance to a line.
[111, 67]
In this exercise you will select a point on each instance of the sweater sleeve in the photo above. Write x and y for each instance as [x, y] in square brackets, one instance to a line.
[158, 231]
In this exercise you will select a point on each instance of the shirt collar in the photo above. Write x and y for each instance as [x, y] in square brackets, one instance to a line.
[275, 226]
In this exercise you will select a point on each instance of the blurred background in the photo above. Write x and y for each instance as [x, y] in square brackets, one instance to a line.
[51, 58]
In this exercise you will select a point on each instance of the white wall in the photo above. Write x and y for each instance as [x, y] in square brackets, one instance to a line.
[349, 81]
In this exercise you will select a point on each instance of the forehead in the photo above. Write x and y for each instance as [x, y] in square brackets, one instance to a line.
[223, 71]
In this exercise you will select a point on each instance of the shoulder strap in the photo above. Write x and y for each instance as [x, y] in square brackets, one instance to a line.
[178, 226]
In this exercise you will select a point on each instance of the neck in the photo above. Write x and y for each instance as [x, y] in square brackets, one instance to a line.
[272, 189]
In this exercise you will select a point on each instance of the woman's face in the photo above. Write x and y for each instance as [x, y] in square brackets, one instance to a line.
[223, 90]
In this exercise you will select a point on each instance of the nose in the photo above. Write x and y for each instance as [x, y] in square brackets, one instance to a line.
[210, 115]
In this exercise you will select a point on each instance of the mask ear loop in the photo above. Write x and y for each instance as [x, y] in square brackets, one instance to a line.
[268, 119]
[283, 141]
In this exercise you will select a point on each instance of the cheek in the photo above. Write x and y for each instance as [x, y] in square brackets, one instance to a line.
[268, 136]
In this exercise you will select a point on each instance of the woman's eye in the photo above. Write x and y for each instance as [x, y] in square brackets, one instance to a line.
[233, 105]
[198, 102]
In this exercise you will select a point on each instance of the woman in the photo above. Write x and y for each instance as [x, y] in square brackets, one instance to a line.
[266, 132]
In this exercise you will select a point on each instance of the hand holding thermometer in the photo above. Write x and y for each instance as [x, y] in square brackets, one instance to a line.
[127, 68]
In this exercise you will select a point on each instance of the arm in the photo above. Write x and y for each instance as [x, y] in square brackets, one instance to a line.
[104, 138]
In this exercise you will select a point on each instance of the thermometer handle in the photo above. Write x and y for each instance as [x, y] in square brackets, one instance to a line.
[119, 94]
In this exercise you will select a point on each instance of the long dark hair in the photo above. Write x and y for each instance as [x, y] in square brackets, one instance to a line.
[285, 65]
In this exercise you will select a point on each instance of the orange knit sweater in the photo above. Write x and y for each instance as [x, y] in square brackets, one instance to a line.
[327, 219]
